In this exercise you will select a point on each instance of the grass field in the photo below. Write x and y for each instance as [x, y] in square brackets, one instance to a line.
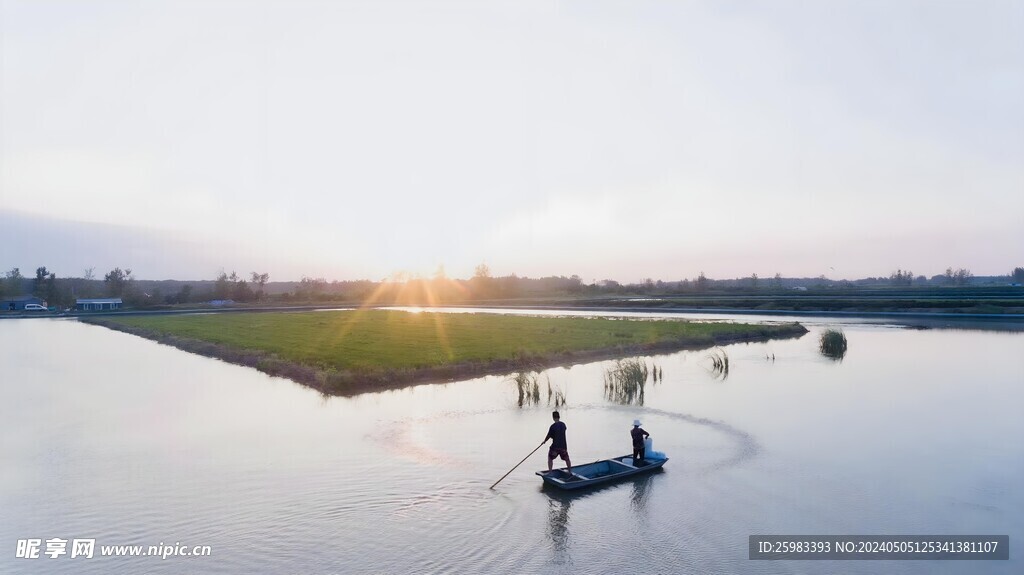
[377, 345]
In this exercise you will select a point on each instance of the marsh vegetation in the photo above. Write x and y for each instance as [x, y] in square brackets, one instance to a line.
[719, 364]
[626, 382]
[832, 344]
[347, 352]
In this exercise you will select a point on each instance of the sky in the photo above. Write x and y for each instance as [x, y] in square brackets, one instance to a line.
[612, 140]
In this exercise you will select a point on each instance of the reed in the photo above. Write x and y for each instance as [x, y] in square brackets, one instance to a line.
[719, 364]
[527, 388]
[556, 396]
[625, 383]
[832, 344]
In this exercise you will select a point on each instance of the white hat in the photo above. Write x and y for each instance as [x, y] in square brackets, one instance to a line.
[636, 423]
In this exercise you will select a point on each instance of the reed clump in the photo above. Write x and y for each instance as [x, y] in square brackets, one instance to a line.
[527, 388]
[556, 395]
[719, 364]
[832, 344]
[625, 383]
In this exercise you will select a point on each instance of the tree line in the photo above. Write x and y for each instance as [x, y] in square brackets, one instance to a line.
[407, 289]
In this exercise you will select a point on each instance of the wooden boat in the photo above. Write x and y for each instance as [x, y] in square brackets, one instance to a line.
[603, 471]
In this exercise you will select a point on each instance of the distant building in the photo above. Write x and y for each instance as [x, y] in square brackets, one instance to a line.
[18, 303]
[98, 304]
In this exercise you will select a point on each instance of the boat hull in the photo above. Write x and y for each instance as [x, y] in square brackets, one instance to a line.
[599, 472]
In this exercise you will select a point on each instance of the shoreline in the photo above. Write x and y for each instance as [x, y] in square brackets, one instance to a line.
[350, 383]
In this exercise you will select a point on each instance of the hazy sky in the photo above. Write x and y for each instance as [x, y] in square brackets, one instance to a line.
[606, 139]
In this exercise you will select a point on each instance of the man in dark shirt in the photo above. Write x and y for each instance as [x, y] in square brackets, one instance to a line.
[556, 433]
[638, 434]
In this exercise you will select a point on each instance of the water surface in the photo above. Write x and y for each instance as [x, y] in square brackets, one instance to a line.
[116, 438]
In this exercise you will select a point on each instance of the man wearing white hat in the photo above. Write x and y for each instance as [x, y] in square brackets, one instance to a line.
[638, 434]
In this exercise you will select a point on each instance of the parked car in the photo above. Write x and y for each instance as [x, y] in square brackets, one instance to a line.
[34, 307]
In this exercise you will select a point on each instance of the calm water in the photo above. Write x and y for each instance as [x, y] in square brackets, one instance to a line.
[118, 439]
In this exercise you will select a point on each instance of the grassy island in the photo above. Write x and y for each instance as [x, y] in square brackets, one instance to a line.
[348, 352]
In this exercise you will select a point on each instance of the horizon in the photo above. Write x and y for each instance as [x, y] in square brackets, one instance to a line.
[352, 140]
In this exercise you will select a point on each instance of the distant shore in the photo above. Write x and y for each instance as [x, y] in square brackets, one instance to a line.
[347, 353]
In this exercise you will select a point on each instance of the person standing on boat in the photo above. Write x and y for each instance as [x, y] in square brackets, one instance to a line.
[556, 433]
[638, 434]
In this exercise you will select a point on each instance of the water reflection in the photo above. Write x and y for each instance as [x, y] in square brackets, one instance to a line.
[640, 493]
[558, 524]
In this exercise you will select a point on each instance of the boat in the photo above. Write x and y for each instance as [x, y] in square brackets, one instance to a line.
[601, 471]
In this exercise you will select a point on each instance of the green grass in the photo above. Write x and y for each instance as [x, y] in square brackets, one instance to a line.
[384, 341]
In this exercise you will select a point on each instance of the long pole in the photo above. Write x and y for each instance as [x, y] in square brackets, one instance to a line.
[518, 464]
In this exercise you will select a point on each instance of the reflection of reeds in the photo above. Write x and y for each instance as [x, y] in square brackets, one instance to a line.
[832, 344]
[527, 387]
[719, 364]
[625, 382]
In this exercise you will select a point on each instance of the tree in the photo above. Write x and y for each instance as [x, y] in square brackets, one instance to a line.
[12, 282]
[84, 287]
[184, 294]
[960, 277]
[311, 287]
[702, 282]
[1018, 275]
[118, 282]
[901, 278]
[482, 283]
[222, 286]
[777, 281]
[260, 280]
[753, 281]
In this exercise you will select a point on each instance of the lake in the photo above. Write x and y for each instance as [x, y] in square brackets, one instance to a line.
[111, 437]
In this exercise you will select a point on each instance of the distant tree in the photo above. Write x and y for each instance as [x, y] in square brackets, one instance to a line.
[240, 290]
[753, 281]
[118, 282]
[648, 285]
[260, 281]
[1018, 275]
[184, 294]
[777, 281]
[960, 277]
[575, 284]
[310, 288]
[84, 287]
[702, 282]
[39, 283]
[482, 284]
[222, 285]
[12, 282]
[901, 278]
